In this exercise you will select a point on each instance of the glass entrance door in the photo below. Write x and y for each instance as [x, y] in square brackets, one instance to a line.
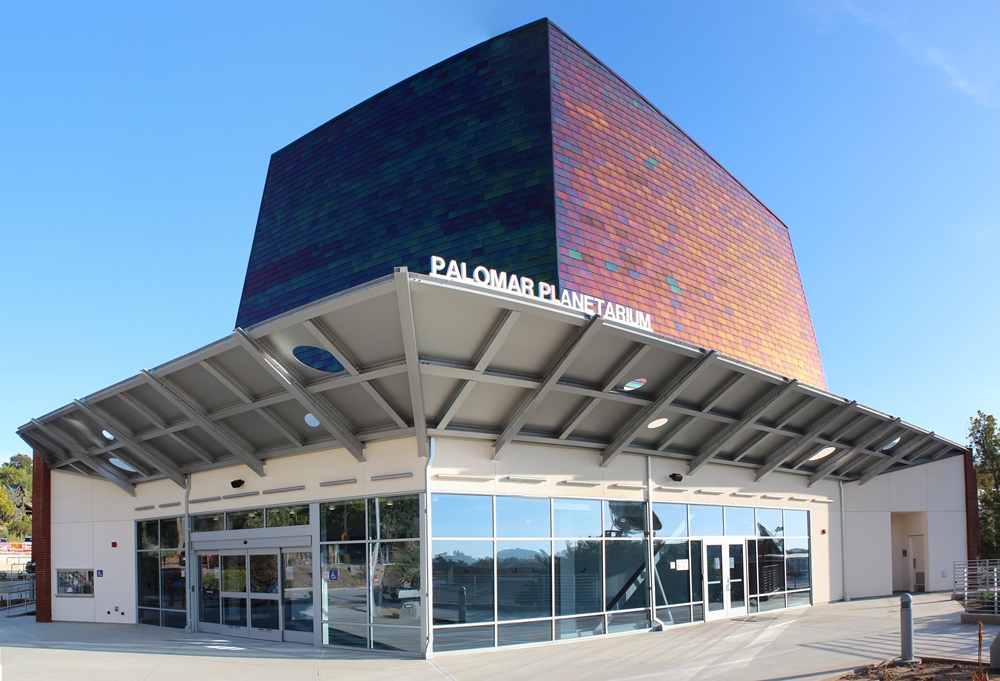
[725, 579]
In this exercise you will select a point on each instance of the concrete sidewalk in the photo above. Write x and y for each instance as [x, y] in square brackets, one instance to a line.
[806, 643]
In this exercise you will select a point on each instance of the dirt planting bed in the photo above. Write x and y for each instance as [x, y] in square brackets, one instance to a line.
[928, 670]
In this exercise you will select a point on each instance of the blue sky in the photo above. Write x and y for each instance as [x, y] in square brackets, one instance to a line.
[135, 137]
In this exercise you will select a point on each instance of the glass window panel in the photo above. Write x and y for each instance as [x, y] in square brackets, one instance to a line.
[800, 598]
[713, 570]
[796, 523]
[579, 627]
[345, 583]
[264, 613]
[245, 520]
[524, 632]
[626, 584]
[345, 635]
[737, 590]
[696, 573]
[462, 515]
[462, 638]
[407, 639]
[521, 517]
[234, 574]
[797, 564]
[149, 617]
[77, 582]
[342, 520]
[739, 522]
[579, 584]
[396, 583]
[298, 604]
[524, 579]
[624, 518]
[264, 573]
[234, 612]
[673, 572]
[211, 576]
[148, 534]
[628, 621]
[174, 619]
[577, 518]
[173, 589]
[149, 579]
[769, 522]
[752, 567]
[698, 612]
[672, 616]
[463, 581]
[298, 569]
[673, 520]
[706, 521]
[297, 597]
[772, 602]
[287, 516]
[394, 517]
[770, 566]
[172, 533]
[212, 522]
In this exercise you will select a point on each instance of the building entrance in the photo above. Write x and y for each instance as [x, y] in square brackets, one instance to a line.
[725, 579]
[257, 593]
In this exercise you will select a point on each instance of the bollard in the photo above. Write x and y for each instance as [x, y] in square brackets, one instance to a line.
[906, 630]
[461, 605]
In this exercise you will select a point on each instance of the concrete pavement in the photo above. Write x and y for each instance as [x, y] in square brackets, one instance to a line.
[806, 643]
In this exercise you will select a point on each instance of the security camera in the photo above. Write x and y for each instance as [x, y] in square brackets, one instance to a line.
[676, 477]
[236, 484]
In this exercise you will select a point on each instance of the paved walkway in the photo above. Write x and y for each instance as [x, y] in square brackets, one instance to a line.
[807, 643]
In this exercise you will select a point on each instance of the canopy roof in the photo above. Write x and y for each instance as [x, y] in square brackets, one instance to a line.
[419, 356]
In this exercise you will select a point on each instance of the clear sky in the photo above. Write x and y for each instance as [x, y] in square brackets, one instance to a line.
[135, 137]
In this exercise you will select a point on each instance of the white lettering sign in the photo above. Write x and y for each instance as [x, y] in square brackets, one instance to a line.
[529, 288]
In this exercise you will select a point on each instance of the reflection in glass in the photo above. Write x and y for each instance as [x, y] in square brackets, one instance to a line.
[769, 523]
[234, 573]
[577, 517]
[797, 563]
[462, 638]
[394, 517]
[245, 520]
[172, 584]
[172, 533]
[626, 581]
[213, 522]
[796, 523]
[287, 516]
[579, 627]
[714, 573]
[463, 581]
[696, 572]
[234, 612]
[772, 602]
[462, 515]
[210, 582]
[737, 595]
[148, 534]
[149, 580]
[752, 568]
[342, 520]
[524, 632]
[673, 572]
[706, 521]
[147, 616]
[624, 518]
[264, 613]
[407, 639]
[628, 621]
[739, 522]
[345, 583]
[264, 573]
[770, 566]
[672, 616]
[800, 598]
[579, 577]
[396, 583]
[521, 517]
[345, 635]
[673, 520]
[297, 590]
[175, 619]
[524, 579]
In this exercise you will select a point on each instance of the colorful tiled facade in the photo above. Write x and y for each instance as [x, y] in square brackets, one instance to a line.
[525, 153]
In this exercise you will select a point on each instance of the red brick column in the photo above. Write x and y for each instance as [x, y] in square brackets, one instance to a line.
[971, 508]
[41, 537]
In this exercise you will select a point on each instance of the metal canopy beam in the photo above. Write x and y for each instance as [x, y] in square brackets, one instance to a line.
[610, 381]
[486, 353]
[559, 365]
[412, 354]
[719, 441]
[328, 417]
[98, 466]
[847, 427]
[141, 449]
[804, 440]
[675, 387]
[867, 439]
[215, 430]
[880, 466]
[241, 391]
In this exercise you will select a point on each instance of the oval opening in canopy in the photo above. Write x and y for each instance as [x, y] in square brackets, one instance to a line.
[317, 358]
[634, 384]
[118, 463]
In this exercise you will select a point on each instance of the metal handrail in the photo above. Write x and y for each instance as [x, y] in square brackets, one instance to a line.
[24, 587]
[979, 583]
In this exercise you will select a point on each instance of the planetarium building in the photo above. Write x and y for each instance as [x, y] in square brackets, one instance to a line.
[516, 362]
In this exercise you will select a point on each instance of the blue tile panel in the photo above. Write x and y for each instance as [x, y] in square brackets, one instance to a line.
[455, 161]
[648, 219]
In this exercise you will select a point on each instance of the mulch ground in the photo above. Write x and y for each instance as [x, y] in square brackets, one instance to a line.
[927, 671]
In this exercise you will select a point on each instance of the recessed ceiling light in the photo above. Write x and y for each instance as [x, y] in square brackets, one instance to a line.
[657, 423]
[118, 463]
[891, 444]
[107, 435]
[312, 421]
[823, 453]
[634, 384]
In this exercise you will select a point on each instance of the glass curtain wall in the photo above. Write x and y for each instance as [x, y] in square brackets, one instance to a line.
[677, 561]
[782, 560]
[161, 567]
[513, 570]
[371, 573]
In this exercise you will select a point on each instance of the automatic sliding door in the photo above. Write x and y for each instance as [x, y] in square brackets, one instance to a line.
[265, 615]
[210, 588]
[234, 594]
[297, 596]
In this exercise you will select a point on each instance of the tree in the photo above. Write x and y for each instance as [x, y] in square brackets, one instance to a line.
[984, 439]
